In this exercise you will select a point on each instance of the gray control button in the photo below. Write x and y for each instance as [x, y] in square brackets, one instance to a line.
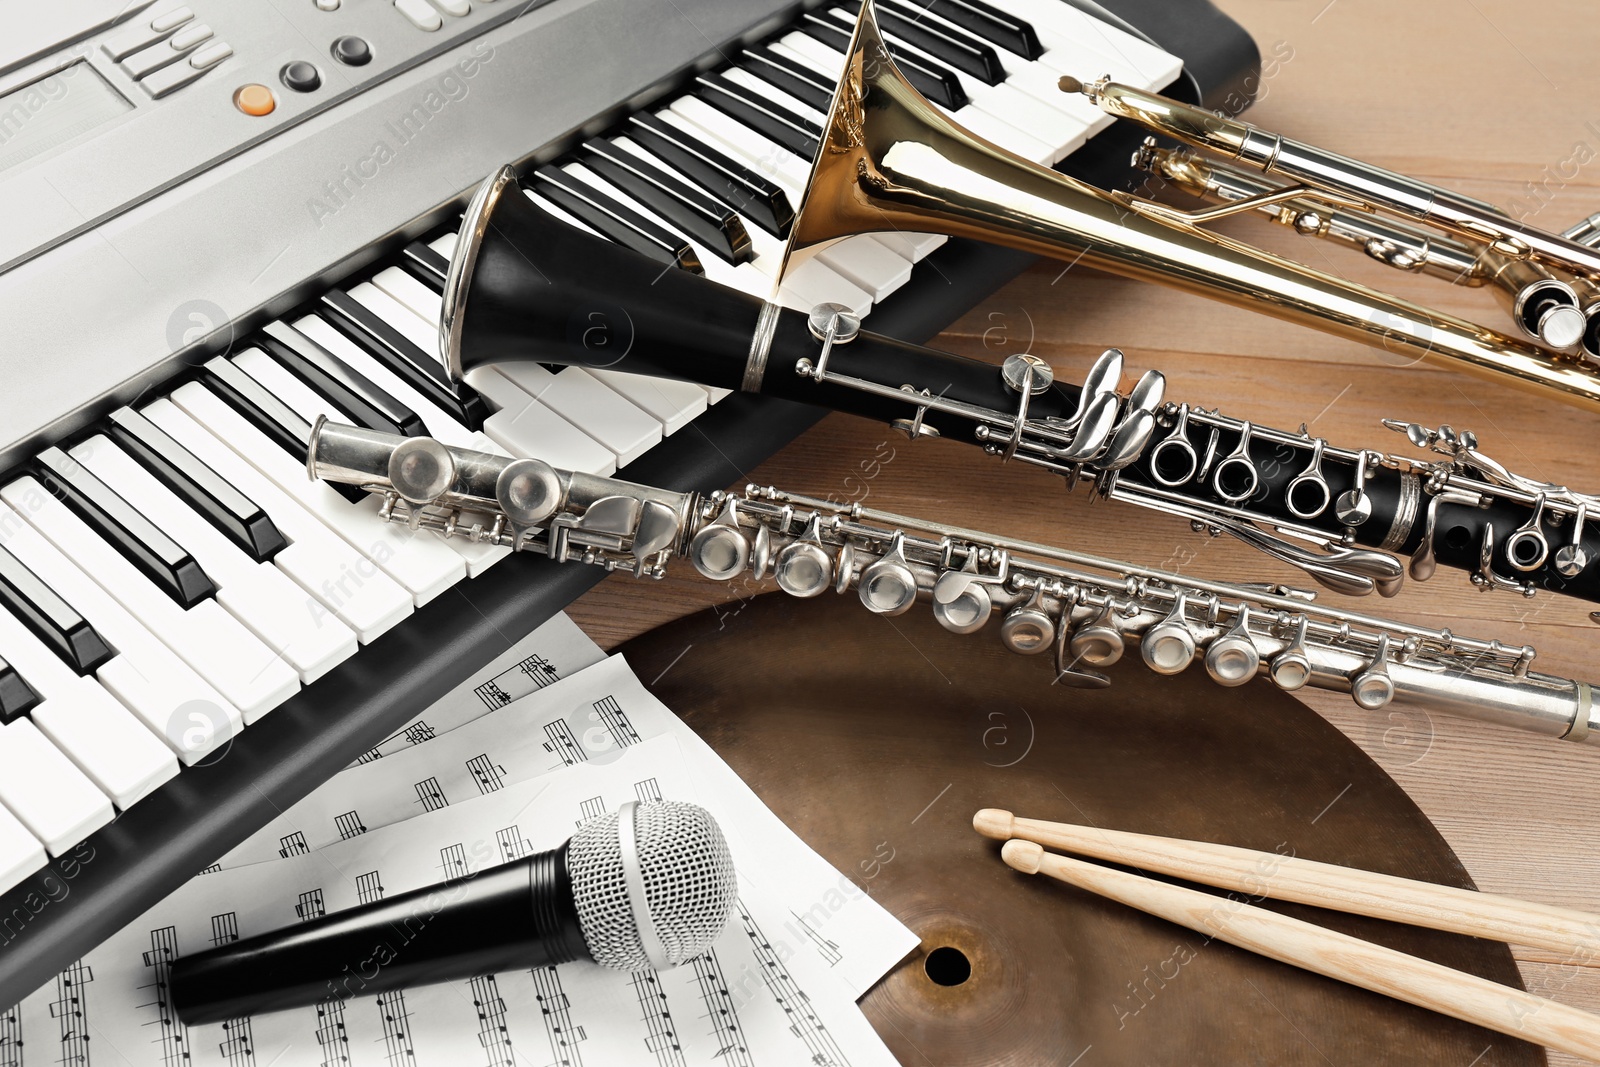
[455, 8]
[352, 51]
[169, 79]
[327, 5]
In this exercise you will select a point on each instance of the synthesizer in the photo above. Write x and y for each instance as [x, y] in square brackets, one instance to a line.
[226, 220]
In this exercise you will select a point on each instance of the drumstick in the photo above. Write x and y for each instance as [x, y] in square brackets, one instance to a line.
[1329, 953]
[1574, 934]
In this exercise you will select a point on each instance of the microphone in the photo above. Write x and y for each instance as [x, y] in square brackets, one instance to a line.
[648, 886]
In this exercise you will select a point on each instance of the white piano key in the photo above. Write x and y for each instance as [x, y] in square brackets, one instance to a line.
[445, 244]
[422, 334]
[1041, 82]
[249, 674]
[598, 416]
[814, 281]
[411, 294]
[674, 404]
[120, 753]
[417, 559]
[1094, 48]
[597, 411]
[259, 595]
[20, 852]
[147, 676]
[525, 427]
[808, 283]
[441, 425]
[52, 798]
[103, 739]
[992, 113]
[339, 581]
[309, 405]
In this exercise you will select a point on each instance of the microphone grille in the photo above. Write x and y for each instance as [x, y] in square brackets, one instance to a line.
[688, 877]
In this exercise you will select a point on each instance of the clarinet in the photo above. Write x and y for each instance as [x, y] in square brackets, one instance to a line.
[1084, 609]
[533, 288]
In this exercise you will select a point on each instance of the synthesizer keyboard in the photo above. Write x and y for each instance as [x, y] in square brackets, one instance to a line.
[192, 633]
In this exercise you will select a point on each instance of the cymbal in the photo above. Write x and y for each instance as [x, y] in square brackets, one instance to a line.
[876, 739]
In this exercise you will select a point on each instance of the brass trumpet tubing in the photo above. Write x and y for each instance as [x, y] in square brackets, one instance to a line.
[889, 160]
[1342, 176]
[1413, 250]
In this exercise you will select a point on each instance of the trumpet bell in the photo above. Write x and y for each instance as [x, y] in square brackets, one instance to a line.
[890, 160]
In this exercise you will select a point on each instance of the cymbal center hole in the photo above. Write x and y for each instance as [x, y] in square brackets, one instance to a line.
[947, 966]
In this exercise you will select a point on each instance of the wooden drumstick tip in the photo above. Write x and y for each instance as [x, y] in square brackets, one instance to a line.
[1069, 84]
[997, 823]
[1024, 856]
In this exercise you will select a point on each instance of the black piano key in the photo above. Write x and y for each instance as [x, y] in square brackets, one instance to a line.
[609, 218]
[424, 264]
[56, 622]
[796, 79]
[752, 195]
[777, 124]
[338, 383]
[17, 697]
[250, 398]
[216, 499]
[930, 79]
[990, 23]
[165, 562]
[405, 360]
[700, 216]
[955, 47]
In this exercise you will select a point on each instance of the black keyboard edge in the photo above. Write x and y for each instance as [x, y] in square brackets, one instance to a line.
[81, 898]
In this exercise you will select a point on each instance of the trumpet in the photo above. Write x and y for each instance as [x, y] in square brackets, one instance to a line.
[1545, 307]
[1084, 609]
[891, 160]
[524, 285]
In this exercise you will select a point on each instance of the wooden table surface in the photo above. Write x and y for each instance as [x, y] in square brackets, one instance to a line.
[1497, 99]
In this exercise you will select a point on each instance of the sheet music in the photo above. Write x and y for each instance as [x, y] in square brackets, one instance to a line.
[752, 999]
[551, 652]
[593, 717]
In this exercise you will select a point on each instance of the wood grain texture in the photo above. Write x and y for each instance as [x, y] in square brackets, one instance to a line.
[1329, 953]
[1491, 97]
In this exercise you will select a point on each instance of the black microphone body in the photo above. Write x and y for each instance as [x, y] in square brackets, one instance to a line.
[536, 289]
[518, 915]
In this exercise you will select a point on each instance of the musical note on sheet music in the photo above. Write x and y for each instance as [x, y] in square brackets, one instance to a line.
[11, 1033]
[70, 1010]
[555, 1008]
[748, 1001]
[170, 1036]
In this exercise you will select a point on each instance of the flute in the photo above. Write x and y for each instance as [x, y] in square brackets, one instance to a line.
[1084, 609]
